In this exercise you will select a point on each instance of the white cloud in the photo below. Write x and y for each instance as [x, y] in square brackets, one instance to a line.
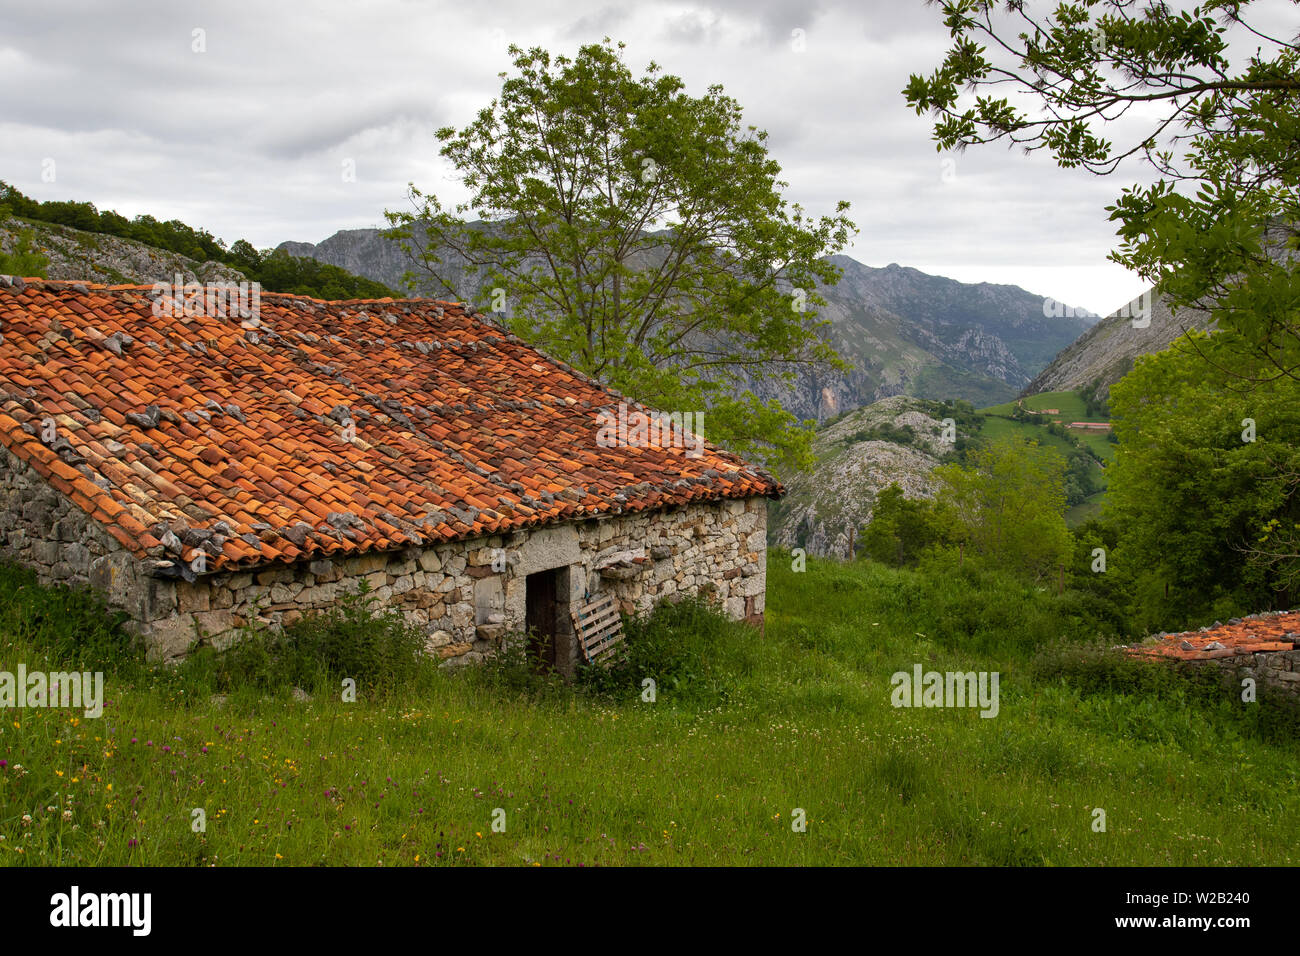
[247, 139]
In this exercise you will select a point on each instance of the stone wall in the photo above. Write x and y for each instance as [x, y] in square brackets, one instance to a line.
[43, 529]
[1279, 670]
[467, 595]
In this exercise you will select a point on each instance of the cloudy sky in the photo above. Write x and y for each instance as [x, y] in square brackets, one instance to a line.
[248, 137]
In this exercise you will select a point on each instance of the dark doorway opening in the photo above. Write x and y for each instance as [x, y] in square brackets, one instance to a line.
[541, 618]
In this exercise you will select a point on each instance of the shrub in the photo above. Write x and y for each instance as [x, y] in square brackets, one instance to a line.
[72, 625]
[26, 260]
[513, 669]
[378, 649]
[1100, 672]
[683, 647]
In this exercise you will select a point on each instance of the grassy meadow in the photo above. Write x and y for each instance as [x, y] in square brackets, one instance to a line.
[748, 734]
[999, 424]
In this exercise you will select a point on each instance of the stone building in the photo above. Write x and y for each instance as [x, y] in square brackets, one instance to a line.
[209, 466]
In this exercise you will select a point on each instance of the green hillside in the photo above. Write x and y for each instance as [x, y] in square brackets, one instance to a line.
[1001, 421]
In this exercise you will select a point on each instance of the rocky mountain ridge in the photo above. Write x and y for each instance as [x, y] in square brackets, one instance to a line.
[903, 331]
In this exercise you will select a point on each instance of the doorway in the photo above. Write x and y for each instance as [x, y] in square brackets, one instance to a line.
[541, 618]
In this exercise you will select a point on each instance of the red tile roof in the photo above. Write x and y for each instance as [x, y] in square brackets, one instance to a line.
[1277, 631]
[232, 439]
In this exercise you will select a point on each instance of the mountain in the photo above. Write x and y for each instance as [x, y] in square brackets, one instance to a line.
[1105, 353]
[903, 331]
[896, 439]
[95, 257]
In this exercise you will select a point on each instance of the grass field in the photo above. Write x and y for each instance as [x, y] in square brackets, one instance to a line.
[998, 424]
[756, 734]
[1072, 409]
[994, 428]
[1090, 507]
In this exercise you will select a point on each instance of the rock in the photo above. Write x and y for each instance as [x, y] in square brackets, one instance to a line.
[147, 419]
[301, 695]
[297, 533]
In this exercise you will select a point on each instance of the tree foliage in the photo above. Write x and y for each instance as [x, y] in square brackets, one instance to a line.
[1007, 506]
[639, 234]
[274, 271]
[902, 529]
[1205, 485]
[1218, 229]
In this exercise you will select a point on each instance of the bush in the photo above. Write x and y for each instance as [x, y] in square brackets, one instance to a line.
[71, 625]
[1101, 671]
[683, 647]
[379, 650]
[26, 260]
[513, 669]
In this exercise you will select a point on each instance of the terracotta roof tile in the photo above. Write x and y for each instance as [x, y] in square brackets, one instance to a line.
[1275, 631]
[461, 427]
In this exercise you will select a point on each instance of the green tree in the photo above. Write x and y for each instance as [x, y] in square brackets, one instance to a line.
[1206, 485]
[26, 260]
[1007, 506]
[901, 529]
[1218, 229]
[639, 234]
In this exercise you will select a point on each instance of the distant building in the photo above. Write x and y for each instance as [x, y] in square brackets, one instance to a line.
[1094, 426]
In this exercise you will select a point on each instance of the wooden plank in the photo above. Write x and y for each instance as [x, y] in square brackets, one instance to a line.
[609, 628]
[598, 613]
[599, 626]
[606, 642]
[596, 648]
[613, 634]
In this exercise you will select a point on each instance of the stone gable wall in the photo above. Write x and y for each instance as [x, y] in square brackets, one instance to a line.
[467, 595]
[1279, 670]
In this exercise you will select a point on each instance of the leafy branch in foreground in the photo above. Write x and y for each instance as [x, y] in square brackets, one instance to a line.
[1220, 227]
